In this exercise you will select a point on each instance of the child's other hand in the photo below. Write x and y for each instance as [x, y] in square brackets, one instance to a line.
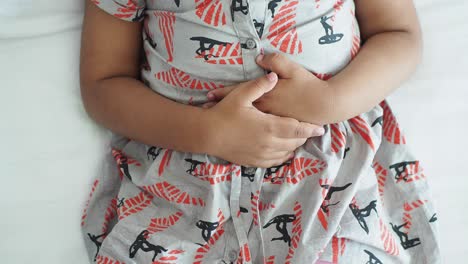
[242, 134]
[295, 91]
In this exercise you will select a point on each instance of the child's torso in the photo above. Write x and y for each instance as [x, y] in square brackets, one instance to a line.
[193, 46]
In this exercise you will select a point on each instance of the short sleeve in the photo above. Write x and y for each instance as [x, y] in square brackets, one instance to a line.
[128, 10]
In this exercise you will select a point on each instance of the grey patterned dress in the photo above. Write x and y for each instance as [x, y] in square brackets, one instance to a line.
[356, 194]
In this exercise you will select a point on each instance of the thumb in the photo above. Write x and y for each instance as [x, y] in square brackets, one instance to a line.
[252, 90]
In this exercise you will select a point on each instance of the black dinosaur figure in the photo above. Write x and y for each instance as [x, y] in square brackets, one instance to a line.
[361, 214]
[405, 241]
[153, 152]
[193, 165]
[345, 152]
[331, 190]
[269, 171]
[272, 5]
[400, 170]
[121, 202]
[330, 37]
[124, 166]
[433, 218]
[177, 2]
[239, 6]
[259, 27]
[281, 221]
[145, 246]
[372, 258]
[206, 228]
[378, 120]
[95, 240]
[206, 44]
[248, 172]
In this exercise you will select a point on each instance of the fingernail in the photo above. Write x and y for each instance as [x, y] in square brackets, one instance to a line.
[320, 131]
[259, 58]
[210, 96]
[271, 76]
[292, 155]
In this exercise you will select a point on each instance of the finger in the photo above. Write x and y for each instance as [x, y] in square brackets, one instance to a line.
[209, 104]
[254, 89]
[274, 162]
[284, 127]
[288, 144]
[277, 62]
[219, 93]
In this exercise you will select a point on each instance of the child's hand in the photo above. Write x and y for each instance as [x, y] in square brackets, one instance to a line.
[296, 90]
[242, 134]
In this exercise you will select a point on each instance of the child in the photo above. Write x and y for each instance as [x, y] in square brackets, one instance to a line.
[220, 162]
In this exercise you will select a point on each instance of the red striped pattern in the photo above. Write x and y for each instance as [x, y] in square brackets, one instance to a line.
[213, 173]
[85, 210]
[338, 247]
[254, 203]
[223, 54]
[201, 251]
[413, 172]
[269, 260]
[107, 260]
[389, 243]
[381, 174]
[282, 31]
[408, 207]
[360, 126]
[296, 232]
[111, 212]
[171, 193]
[211, 12]
[356, 39]
[128, 10]
[338, 139]
[244, 254]
[162, 223]
[169, 258]
[166, 22]
[391, 129]
[299, 168]
[182, 79]
[165, 161]
[134, 204]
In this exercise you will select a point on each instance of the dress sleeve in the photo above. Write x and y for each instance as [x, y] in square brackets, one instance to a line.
[128, 10]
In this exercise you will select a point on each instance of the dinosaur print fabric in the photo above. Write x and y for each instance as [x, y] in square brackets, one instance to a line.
[357, 194]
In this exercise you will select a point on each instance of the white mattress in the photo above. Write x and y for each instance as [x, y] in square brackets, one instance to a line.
[51, 150]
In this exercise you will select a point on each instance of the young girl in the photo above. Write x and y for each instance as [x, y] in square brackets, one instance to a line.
[247, 135]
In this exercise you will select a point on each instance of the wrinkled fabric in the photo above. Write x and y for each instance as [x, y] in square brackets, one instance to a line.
[357, 194]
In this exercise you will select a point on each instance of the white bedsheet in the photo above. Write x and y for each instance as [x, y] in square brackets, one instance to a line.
[51, 150]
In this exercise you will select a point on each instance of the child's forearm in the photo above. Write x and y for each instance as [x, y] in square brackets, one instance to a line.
[129, 108]
[383, 63]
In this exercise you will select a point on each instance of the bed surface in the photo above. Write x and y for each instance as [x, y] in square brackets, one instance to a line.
[51, 149]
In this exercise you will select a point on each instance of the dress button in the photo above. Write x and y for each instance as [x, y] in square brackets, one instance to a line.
[232, 255]
[250, 43]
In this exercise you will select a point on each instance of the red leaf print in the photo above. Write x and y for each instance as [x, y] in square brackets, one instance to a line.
[129, 10]
[338, 247]
[165, 161]
[269, 260]
[244, 254]
[359, 126]
[201, 251]
[166, 22]
[170, 257]
[389, 243]
[107, 260]
[338, 139]
[213, 173]
[182, 79]
[134, 205]
[211, 12]
[171, 193]
[258, 206]
[162, 223]
[381, 174]
[85, 211]
[282, 31]
[408, 171]
[296, 232]
[391, 129]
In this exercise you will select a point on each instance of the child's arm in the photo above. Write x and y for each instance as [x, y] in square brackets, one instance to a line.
[114, 97]
[392, 48]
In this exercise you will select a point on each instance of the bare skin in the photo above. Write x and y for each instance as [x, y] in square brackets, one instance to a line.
[391, 51]
[233, 130]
